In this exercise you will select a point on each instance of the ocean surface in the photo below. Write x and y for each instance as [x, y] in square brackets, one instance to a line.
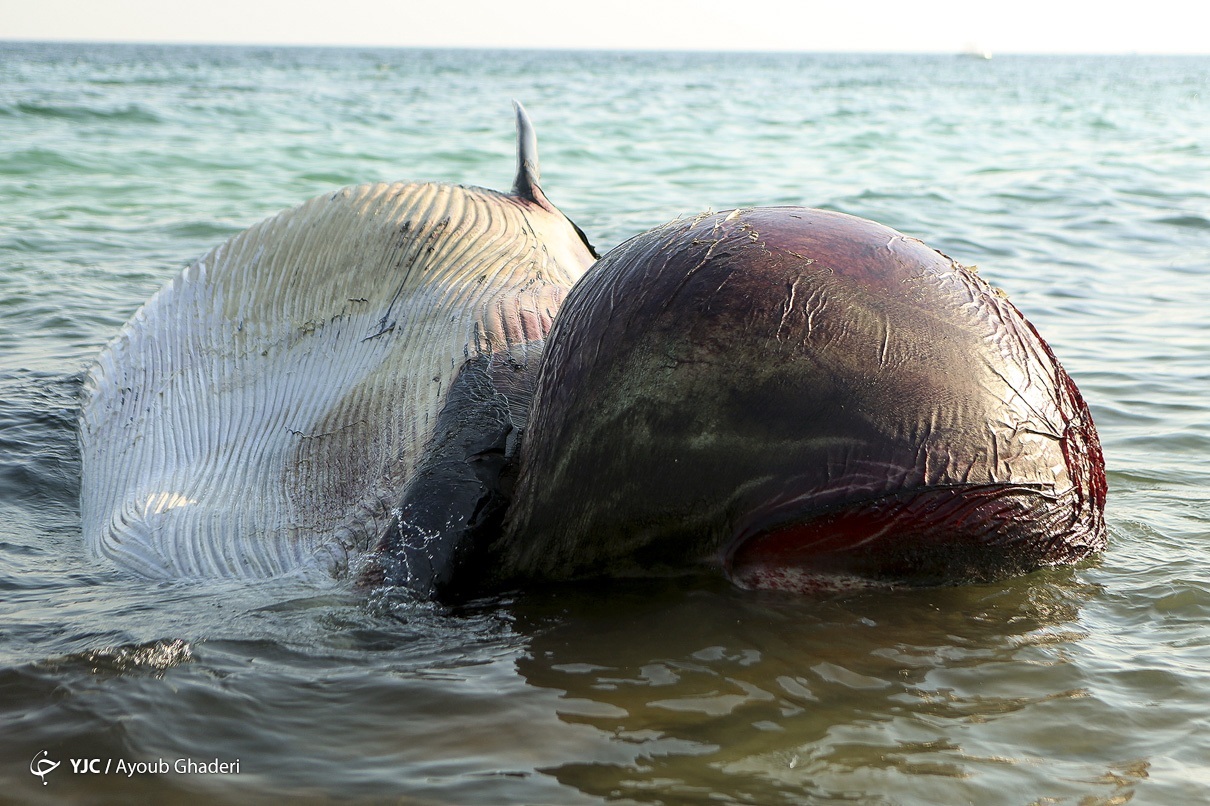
[1079, 185]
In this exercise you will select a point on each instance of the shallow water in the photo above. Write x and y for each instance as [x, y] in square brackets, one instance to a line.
[1079, 185]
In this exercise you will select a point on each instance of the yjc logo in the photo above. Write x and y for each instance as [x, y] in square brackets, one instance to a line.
[43, 766]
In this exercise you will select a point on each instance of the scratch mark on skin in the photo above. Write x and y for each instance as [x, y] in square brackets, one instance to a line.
[705, 259]
[787, 308]
[430, 240]
[753, 235]
[385, 329]
[886, 340]
[345, 427]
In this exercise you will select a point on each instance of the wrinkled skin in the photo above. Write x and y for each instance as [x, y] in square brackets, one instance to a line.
[793, 395]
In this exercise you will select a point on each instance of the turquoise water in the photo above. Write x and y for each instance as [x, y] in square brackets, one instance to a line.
[1079, 185]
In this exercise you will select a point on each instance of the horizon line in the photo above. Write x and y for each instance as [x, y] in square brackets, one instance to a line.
[992, 55]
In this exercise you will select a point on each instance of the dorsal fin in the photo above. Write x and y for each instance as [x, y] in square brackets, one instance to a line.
[526, 186]
[528, 171]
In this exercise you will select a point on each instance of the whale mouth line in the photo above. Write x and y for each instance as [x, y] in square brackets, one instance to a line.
[923, 536]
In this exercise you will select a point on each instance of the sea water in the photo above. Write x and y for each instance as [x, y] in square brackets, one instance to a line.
[1079, 185]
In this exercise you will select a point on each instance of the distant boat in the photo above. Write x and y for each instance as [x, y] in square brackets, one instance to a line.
[973, 51]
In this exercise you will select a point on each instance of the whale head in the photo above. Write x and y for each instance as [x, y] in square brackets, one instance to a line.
[798, 398]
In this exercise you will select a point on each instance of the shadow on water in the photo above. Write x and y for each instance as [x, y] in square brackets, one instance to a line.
[759, 697]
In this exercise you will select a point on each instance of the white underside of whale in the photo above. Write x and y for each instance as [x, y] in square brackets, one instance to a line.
[261, 414]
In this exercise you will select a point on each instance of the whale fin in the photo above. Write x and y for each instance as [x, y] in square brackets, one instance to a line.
[453, 508]
[529, 172]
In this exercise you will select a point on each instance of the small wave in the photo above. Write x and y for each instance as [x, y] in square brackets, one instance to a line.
[37, 436]
[131, 113]
[40, 161]
[1190, 221]
[151, 658]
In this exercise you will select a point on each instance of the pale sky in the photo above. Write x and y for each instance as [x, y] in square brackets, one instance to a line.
[945, 26]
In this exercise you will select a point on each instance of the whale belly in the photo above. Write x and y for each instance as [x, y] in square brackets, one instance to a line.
[262, 413]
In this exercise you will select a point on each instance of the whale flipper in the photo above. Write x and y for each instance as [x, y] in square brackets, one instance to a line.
[453, 506]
